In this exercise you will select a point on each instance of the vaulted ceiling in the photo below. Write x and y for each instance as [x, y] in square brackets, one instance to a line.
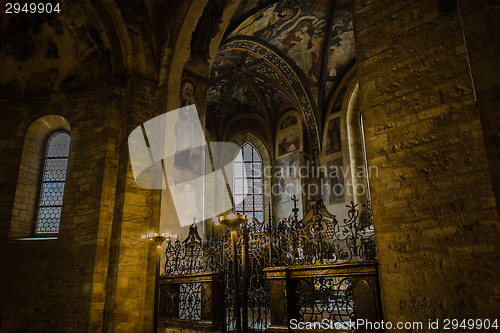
[279, 55]
[49, 53]
[85, 44]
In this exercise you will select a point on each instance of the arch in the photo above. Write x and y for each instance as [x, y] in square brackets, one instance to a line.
[355, 139]
[30, 171]
[346, 96]
[251, 203]
[120, 43]
[247, 136]
[182, 50]
[267, 163]
[52, 183]
[344, 108]
[256, 125]
[298, 89]
[290, 133]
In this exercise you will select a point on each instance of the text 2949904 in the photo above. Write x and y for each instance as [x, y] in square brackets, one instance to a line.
[32, 8]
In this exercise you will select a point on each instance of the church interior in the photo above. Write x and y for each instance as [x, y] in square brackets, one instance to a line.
[248, 165]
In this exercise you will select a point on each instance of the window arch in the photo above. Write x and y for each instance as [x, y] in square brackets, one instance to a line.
[247, 178]
[27, 197]
[53, 181]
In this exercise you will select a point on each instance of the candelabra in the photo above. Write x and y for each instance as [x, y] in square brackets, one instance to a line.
[158, 238]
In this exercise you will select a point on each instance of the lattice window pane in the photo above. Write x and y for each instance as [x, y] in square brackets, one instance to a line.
[58, 145]
[54, 177]
[248, 169]
[249, 202]
[258, 202]
[248, 165]
[55, 169]
[247, 187]
[238, 200]
[239, 157]
[259, 216]
[257, 187]
[48, 219]
[52, 194]
[238, 170]
[256, 157]
[247, 152]
[238, 185]
[257, 170]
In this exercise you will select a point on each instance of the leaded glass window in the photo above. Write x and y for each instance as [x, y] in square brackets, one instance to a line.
[247, 175]
[54, 177]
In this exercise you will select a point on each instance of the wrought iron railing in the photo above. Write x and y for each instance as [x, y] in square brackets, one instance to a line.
[190, 301]
[318, 240]
[327, 298]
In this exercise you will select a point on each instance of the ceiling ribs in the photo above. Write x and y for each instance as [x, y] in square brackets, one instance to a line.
[226, 101]
[220, 77]
[259, 97]
[272, 82]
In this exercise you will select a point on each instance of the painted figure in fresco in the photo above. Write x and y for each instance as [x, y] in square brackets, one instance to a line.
[279, 25]
[333, 140]
[298, 41]
[336, 179]
[256, 24]
[315, 49]
[274, 98]
[342, 45]
[287, 147]
[214, 94]
[283, 194]
[241, 94]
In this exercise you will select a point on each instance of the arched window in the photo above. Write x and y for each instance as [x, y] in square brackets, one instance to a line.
[52, 187]
[248, 166]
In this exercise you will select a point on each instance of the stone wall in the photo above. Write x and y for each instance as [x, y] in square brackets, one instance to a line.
[98, 263]
[481, 28]
[47, 284]
[436, 218]
[436, 222]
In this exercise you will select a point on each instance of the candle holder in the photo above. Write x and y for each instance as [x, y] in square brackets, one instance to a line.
[158, 238]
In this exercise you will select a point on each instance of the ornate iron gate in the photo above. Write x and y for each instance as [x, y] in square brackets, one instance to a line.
[254, 251]
[317, 251]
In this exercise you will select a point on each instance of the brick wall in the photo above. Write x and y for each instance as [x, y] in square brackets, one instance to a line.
[436, 223]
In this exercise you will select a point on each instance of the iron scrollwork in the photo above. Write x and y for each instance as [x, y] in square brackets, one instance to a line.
[318, 238]
[327, 298]
[190, 301]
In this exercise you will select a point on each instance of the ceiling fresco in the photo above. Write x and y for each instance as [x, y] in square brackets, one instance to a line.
[32, 47]
[245, 82]
[341, 52]
[275, 60]
[297, 28]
